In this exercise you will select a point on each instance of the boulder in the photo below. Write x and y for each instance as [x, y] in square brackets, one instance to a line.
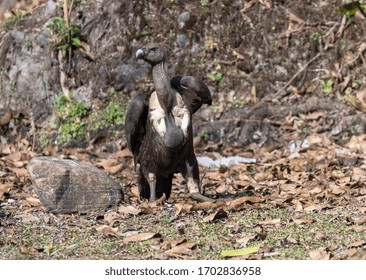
[67, 186]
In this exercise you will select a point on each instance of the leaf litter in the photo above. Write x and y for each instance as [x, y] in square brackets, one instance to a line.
[306, 183]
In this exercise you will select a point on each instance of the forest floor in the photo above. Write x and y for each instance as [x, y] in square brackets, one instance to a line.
[304, 197]
[304, 202]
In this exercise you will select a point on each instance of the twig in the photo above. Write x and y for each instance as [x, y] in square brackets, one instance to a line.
[278, 93]
[71, 7]
[66, 13]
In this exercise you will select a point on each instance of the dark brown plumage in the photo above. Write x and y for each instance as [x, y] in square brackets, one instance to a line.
[159, 130]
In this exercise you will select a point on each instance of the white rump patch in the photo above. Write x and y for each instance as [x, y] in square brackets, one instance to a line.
[180, 113]
[156, 115]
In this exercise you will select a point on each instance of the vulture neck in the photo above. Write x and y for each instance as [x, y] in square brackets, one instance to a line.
[162, 86]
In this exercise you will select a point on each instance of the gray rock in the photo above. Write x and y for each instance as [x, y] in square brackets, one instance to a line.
[67, 186]
[186, 20]
[181, 40]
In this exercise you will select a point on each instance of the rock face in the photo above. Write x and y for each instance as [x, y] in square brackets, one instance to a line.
[67, 186]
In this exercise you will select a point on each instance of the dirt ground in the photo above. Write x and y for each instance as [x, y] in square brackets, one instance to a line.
[288, 83]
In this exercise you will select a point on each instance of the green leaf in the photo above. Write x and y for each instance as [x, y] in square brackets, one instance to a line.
[351, 9]
[351, 98]
[145, 32]
[76, 42]
[240, 252]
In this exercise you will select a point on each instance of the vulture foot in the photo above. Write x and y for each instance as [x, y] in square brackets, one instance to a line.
[201, 197]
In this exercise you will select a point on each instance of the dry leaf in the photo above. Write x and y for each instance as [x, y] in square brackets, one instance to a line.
[26, 251]
[5, 119]
[182, 208]
[312, 207]
[85, 50]
[271, 222]
[13, 157]
[157, 202]
[20, 172]
[111, 218]
[219, 214]
[205, 206]
[135, 191]
[357, 244]
[302, 221]
[122, 154]
[107, 230]
[357, 228]
[141, 237]
[129, 209]
[358, 220]
[319, 254]
[168, 244]
[111, 166]
[4, 189]
[338, 191]
[33, 201]
[319, 139]
[244, 240]
[5, 149]
[291, 240]
[182, 249]
[358, 255]
[27, 218]
[239, 203]
[240, 252]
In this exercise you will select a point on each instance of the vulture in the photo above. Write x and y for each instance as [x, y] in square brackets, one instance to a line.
[158, 129]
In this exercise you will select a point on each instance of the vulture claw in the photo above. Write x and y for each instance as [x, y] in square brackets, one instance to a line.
[201, 197]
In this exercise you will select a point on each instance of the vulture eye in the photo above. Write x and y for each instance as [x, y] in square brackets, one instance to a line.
[153, 49]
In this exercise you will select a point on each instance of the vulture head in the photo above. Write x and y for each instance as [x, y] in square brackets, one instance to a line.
[152, 53]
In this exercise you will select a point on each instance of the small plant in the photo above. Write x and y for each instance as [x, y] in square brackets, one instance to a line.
[9, 24]
[69, 117]
[326, 85]
[315, 37]
[350, 9]
[358, 83]
[44, 141]
[351, 98]
[253, 92]
[252, 170]
[215, 106]
[204, 3]
[216, 76]
[115, 114]
[13, 87]
[203, 134]
[145, 32]
[65, 37]
[210, 46]
[6, 75]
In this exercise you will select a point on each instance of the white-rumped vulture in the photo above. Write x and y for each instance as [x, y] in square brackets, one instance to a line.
[159, 130]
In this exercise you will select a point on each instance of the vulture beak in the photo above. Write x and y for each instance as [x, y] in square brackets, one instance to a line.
[140, 53]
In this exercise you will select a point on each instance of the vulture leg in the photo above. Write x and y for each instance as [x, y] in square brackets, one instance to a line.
[152, 184]
[191, 175]
[144, 187]
[164, 185]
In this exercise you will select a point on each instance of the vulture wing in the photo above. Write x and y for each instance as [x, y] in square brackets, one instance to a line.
[135, 124]
[194, 89]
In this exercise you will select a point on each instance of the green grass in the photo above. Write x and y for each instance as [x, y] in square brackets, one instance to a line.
[74, 241]
[12, 20]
